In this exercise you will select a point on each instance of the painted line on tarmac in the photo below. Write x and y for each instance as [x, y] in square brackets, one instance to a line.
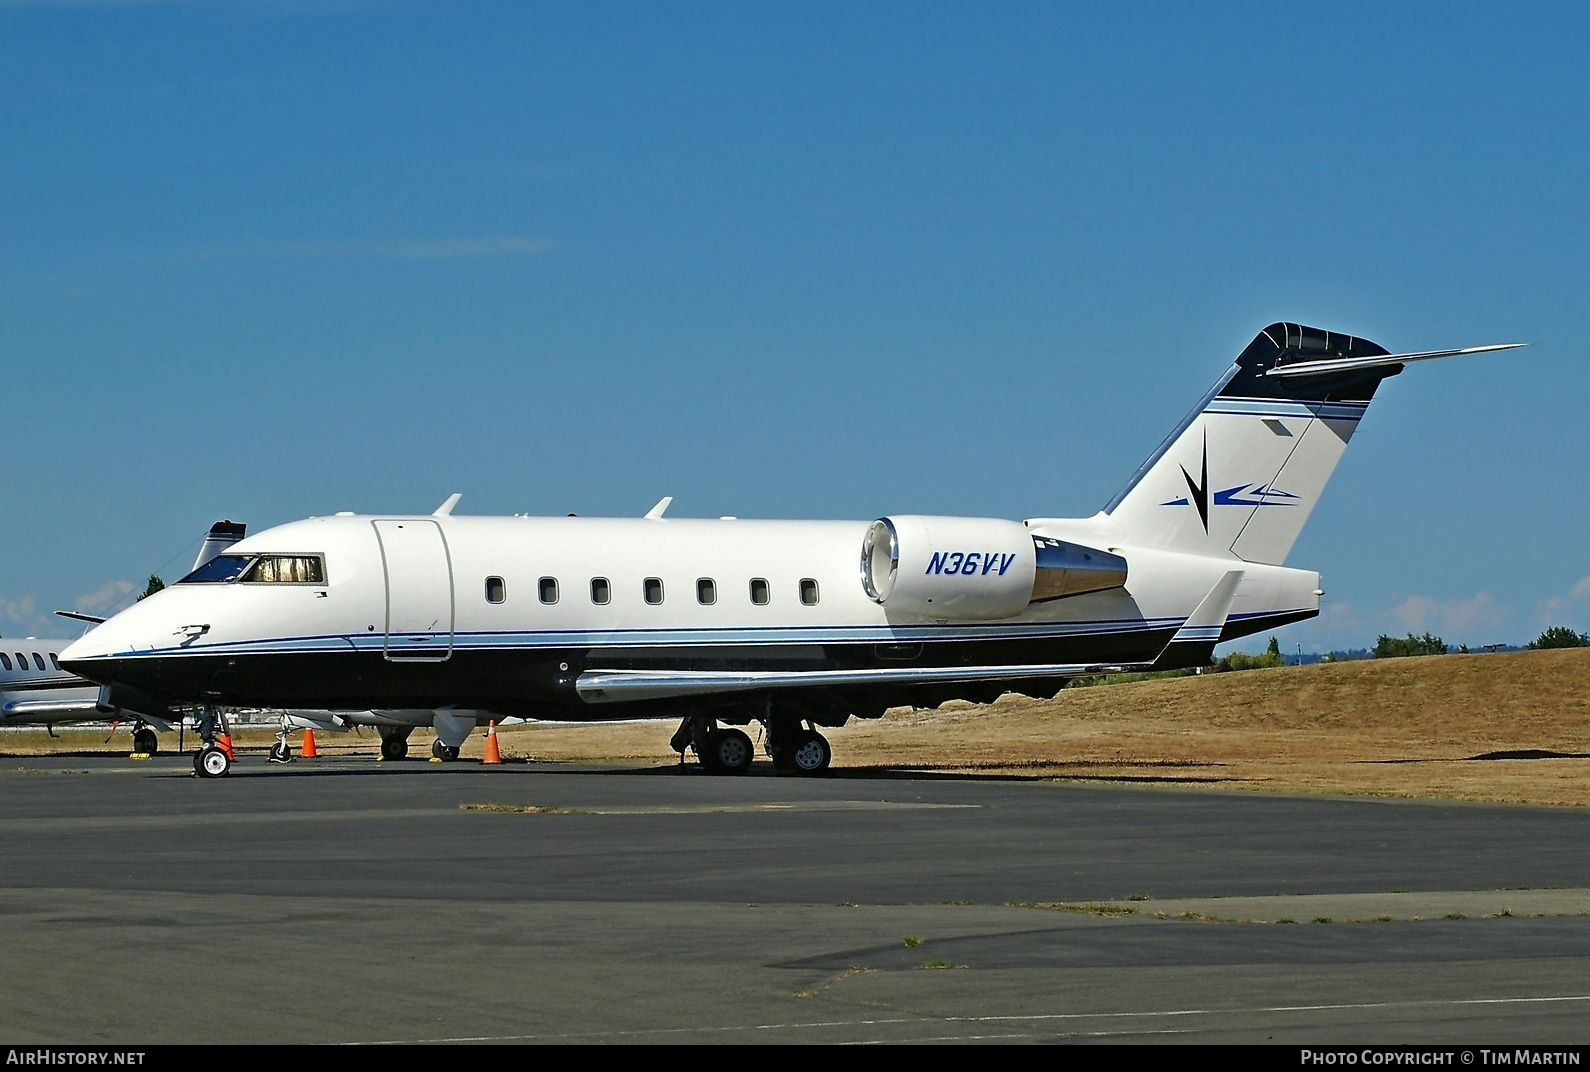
[723, 808]
[1015, 1018]
[60, 824]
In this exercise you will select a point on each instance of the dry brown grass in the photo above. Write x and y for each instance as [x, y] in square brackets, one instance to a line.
[1388, 727]
[1392, 727]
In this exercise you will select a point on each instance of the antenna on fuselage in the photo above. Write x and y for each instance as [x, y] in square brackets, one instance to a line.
[656, 512]
[446, 509]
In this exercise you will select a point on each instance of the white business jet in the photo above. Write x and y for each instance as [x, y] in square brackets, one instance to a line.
[795, 625]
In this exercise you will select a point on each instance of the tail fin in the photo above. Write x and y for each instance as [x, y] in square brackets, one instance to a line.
[222, 534]
[1242, 473]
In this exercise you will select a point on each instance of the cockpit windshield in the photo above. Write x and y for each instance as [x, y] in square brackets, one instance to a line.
[218, 570]
[260, 569]
[286, 569]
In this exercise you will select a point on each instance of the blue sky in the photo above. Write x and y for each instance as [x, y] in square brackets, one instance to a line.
[265, 260]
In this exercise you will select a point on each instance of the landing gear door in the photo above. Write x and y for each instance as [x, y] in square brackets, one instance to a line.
[419, 590]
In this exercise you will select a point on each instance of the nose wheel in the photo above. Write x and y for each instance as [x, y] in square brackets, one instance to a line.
[211, 762]
[145, 741]
[214, 759]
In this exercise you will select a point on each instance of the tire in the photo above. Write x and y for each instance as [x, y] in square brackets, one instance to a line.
[394, 747]
[146, 741]
[809, 753]
[211, 762]
[729, 752]
[442, 751]
[281, 752]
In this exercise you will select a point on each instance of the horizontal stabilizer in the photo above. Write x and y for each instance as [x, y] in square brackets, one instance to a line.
[1349, 364]
[1194, 643]
[615, 686]
[92, 619]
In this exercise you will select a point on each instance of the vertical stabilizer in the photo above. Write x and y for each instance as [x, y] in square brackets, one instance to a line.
[1242, 473]
[222, 534]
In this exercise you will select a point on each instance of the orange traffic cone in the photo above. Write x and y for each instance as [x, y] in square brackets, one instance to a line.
[308, 751]
[493, 754]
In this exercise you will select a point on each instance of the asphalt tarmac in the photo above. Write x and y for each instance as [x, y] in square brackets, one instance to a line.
[345, 900]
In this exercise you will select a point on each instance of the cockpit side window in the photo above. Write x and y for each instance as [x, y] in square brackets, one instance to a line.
[286, 569]
[218, 570]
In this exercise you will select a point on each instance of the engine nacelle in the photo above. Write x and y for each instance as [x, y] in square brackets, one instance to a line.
[970, 568]
[976, 568]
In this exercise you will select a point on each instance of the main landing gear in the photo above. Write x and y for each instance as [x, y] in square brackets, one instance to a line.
[214, 757]
[794, 746]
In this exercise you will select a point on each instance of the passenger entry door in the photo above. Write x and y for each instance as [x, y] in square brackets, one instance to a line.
[419, 590]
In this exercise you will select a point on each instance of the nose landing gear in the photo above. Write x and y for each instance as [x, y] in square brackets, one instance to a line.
[214, 759]
[146, 741]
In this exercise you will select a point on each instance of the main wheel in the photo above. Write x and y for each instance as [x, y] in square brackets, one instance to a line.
[394, 747]
[808, 753]
[281, 752]
[211, 762]
[442, 751]
[146, 742]
[728, 752]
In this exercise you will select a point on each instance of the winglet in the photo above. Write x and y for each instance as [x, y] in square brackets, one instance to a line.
[656, 513]
[446, 509]
[1195, 641]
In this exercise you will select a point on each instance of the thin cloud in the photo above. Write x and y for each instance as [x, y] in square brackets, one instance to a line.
[18, 611]
[1418, 614]
[105, 596]
[1557, 609]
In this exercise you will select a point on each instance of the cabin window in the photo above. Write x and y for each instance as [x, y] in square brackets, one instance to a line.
[654, 590]
[5, 660]
[22, 661]
[286, 569]
[38, 661]
[548, 588]
[601, 591]
[706, 591]
[759, 591]
[809, 594]
[496, 590]
[55, 662]
[218, 570]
